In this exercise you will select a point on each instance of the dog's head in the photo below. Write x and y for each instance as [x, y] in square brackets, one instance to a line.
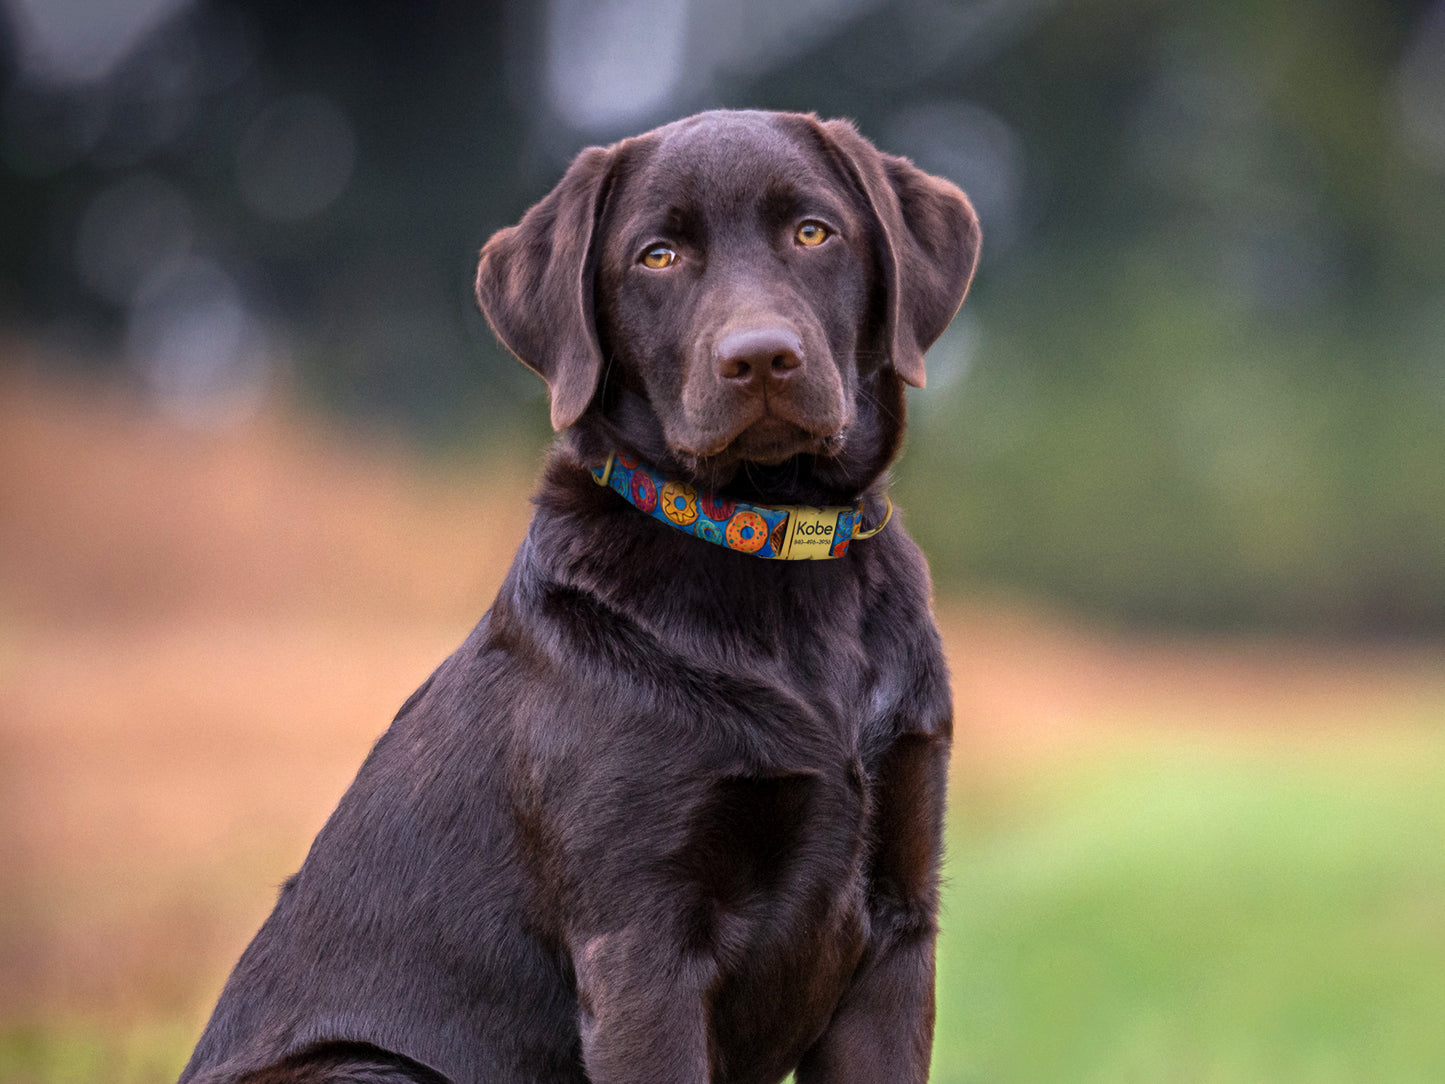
[736, 289]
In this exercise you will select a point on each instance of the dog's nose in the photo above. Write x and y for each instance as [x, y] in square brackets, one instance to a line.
[758, 357]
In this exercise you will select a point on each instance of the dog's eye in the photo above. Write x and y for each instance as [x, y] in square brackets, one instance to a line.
[658, 257]
[811, 234]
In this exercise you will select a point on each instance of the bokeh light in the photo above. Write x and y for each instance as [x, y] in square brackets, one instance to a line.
[295, 158]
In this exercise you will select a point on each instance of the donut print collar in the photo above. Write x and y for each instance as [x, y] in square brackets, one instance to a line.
[777, 532]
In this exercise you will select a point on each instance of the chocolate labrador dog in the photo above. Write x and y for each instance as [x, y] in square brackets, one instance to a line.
[673, 810]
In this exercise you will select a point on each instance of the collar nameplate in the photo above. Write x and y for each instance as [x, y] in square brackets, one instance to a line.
[778, 532]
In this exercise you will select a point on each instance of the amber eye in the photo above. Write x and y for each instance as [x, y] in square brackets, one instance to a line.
[811, 234]
[658, 257]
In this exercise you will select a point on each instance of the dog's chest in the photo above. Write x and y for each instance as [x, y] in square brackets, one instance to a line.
[778, 863]
[780, 866]
[735, 806]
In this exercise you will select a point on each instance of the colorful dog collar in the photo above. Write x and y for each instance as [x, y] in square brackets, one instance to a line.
[781, 532]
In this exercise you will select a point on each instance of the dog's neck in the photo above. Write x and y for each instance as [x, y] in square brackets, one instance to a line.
[773, 532]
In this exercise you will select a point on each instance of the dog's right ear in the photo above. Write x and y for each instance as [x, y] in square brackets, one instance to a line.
[929, 244]
[534, 285]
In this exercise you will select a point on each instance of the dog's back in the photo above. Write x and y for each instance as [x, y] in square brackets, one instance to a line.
[407, 925]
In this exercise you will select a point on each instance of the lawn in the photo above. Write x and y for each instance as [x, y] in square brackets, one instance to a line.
[1204, 912]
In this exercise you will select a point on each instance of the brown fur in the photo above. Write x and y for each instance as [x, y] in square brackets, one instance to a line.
[671, 812]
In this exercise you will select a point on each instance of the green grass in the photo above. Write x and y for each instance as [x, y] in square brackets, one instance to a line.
[1172, 914]
[1158, 912]
[76, 1051]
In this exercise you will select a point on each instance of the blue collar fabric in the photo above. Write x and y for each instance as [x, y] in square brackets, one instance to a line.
[781, 532]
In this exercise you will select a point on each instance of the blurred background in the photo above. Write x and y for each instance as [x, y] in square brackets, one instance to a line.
[1179, 470]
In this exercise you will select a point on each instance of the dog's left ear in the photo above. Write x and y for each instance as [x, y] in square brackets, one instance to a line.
[928, 249]
[534, 284]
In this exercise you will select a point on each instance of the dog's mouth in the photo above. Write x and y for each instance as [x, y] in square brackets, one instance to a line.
[772, 458]
[771, 440]
[767, 440]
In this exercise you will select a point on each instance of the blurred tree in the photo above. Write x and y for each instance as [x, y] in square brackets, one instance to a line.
[1201, 379]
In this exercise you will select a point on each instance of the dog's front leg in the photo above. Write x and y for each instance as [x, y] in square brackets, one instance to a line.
[642, 1008]
[882, 1031]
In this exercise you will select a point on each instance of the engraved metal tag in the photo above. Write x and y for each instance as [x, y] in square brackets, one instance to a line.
[810, 534]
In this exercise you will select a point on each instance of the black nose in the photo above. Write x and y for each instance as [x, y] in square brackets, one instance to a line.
[758, 357]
